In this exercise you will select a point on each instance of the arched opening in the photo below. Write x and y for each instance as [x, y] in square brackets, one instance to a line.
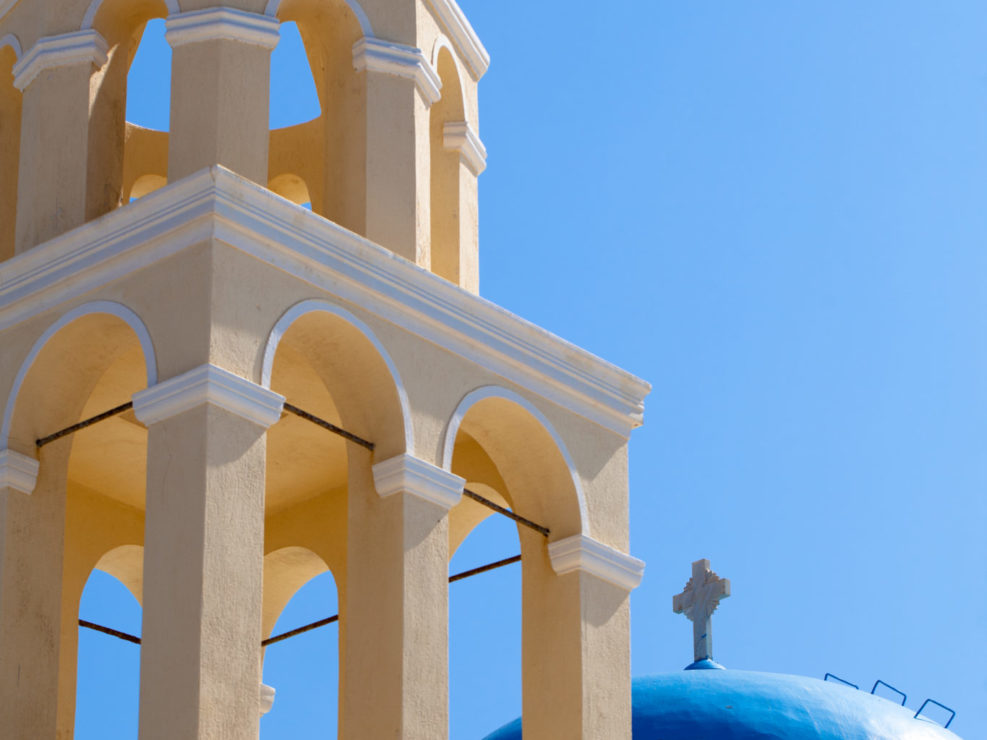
[509, 452]
[446, 198]
[294, 99]
[122, 23]
[149, 79]
[329, 151]
[303, 669]
[108, 667]
[291, 187]
[144, 185]
[89, 499]
[10, 144]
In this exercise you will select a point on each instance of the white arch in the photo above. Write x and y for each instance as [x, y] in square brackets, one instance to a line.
[273, 6]
[316, 305]
[494, 391]
[443, 43]
[94, 6]
[123, 313]
[12, 41]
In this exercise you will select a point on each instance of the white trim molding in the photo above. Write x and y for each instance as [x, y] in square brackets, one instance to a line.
[13, 42]
[216, 204]
[398, 60]
[584, 554]
[459, 136]
[266, 699]
[60, 51]
[462, 35]
[407, 474]
[18, 472]
[212, 385]
[222, 23]
[273, 7]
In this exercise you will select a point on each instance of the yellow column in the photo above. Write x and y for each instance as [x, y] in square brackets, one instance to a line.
[32, 527]
[576, 635]
[401, 87]
[220, 96]
[395, 613]
[459, 137]
[203, 561]
[54, 77]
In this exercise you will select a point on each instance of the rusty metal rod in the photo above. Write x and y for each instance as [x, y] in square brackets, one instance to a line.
[83, 424]
[506, 512]
[110, 631]
[299, 630]
[484, 568]
[328, 426]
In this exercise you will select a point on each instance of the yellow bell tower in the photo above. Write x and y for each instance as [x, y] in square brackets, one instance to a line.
[215, 394]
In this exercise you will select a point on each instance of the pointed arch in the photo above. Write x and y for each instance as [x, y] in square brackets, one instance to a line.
[118, 310]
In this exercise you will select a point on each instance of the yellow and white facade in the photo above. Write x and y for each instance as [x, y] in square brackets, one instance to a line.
[177, 271]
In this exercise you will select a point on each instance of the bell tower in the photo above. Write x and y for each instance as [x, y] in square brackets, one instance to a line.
[215, 393]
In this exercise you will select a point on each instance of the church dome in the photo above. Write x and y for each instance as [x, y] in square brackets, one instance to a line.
[746, 705]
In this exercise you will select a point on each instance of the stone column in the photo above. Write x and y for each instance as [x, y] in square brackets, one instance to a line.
[54, 77]
[32, 527]
[395, 612]
[459, 137]
[203, 558]
[220, 96]
[401, 87]
[576, 638]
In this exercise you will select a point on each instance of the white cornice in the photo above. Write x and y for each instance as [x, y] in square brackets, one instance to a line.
[459, 136]
[216, 203]
[222, 23]
[212, 385]
[407, 474]
[398, 60]
[584, 554]
[18, 472]
[60, 51]
[462, 35]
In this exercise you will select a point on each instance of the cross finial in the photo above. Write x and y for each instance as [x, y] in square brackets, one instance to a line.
[698, 601]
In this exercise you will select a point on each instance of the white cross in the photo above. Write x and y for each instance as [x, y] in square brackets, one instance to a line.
[698, 601]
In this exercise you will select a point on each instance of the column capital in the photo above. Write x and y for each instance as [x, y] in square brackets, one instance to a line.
[222, 23]
[398, 60]
[459, 136]
[407, 474]
[208, 384]
[586, 555]
[60, 51]
[18, 472]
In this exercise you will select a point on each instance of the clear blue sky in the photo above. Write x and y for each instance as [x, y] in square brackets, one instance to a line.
[775, 213]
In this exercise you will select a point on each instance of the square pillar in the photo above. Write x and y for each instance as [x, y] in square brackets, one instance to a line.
[459, 138]
[203, 557]
[220, 91]
[54, 77]
[395, 614]
[32, 528]
[401, 88]
[576, 637]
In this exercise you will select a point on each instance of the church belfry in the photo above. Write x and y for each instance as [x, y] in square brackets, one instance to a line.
[233, 358]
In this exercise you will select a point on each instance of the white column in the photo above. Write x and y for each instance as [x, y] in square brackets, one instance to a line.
[395, 614]
[203, 561]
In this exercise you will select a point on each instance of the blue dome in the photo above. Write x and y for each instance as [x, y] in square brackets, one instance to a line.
[744, 705]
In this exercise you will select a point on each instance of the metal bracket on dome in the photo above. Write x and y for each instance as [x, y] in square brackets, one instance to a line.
[837, 678]
[904, 698]
[933, 701]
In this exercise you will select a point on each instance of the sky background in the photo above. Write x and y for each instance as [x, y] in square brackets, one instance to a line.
[775, 213]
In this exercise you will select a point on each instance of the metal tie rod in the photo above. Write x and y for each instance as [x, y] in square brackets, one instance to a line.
[329, 426]
[544, 531]
[84, 423]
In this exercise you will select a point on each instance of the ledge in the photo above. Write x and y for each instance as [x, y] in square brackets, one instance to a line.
[397, 60]
[407, 474]
[217, 204]
[18, 472]
[459, 136]
[60, 51]
[222, 23]
[586, 555]
[212, 385]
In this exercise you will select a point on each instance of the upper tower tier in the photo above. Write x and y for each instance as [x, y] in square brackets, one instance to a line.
[394, 154]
